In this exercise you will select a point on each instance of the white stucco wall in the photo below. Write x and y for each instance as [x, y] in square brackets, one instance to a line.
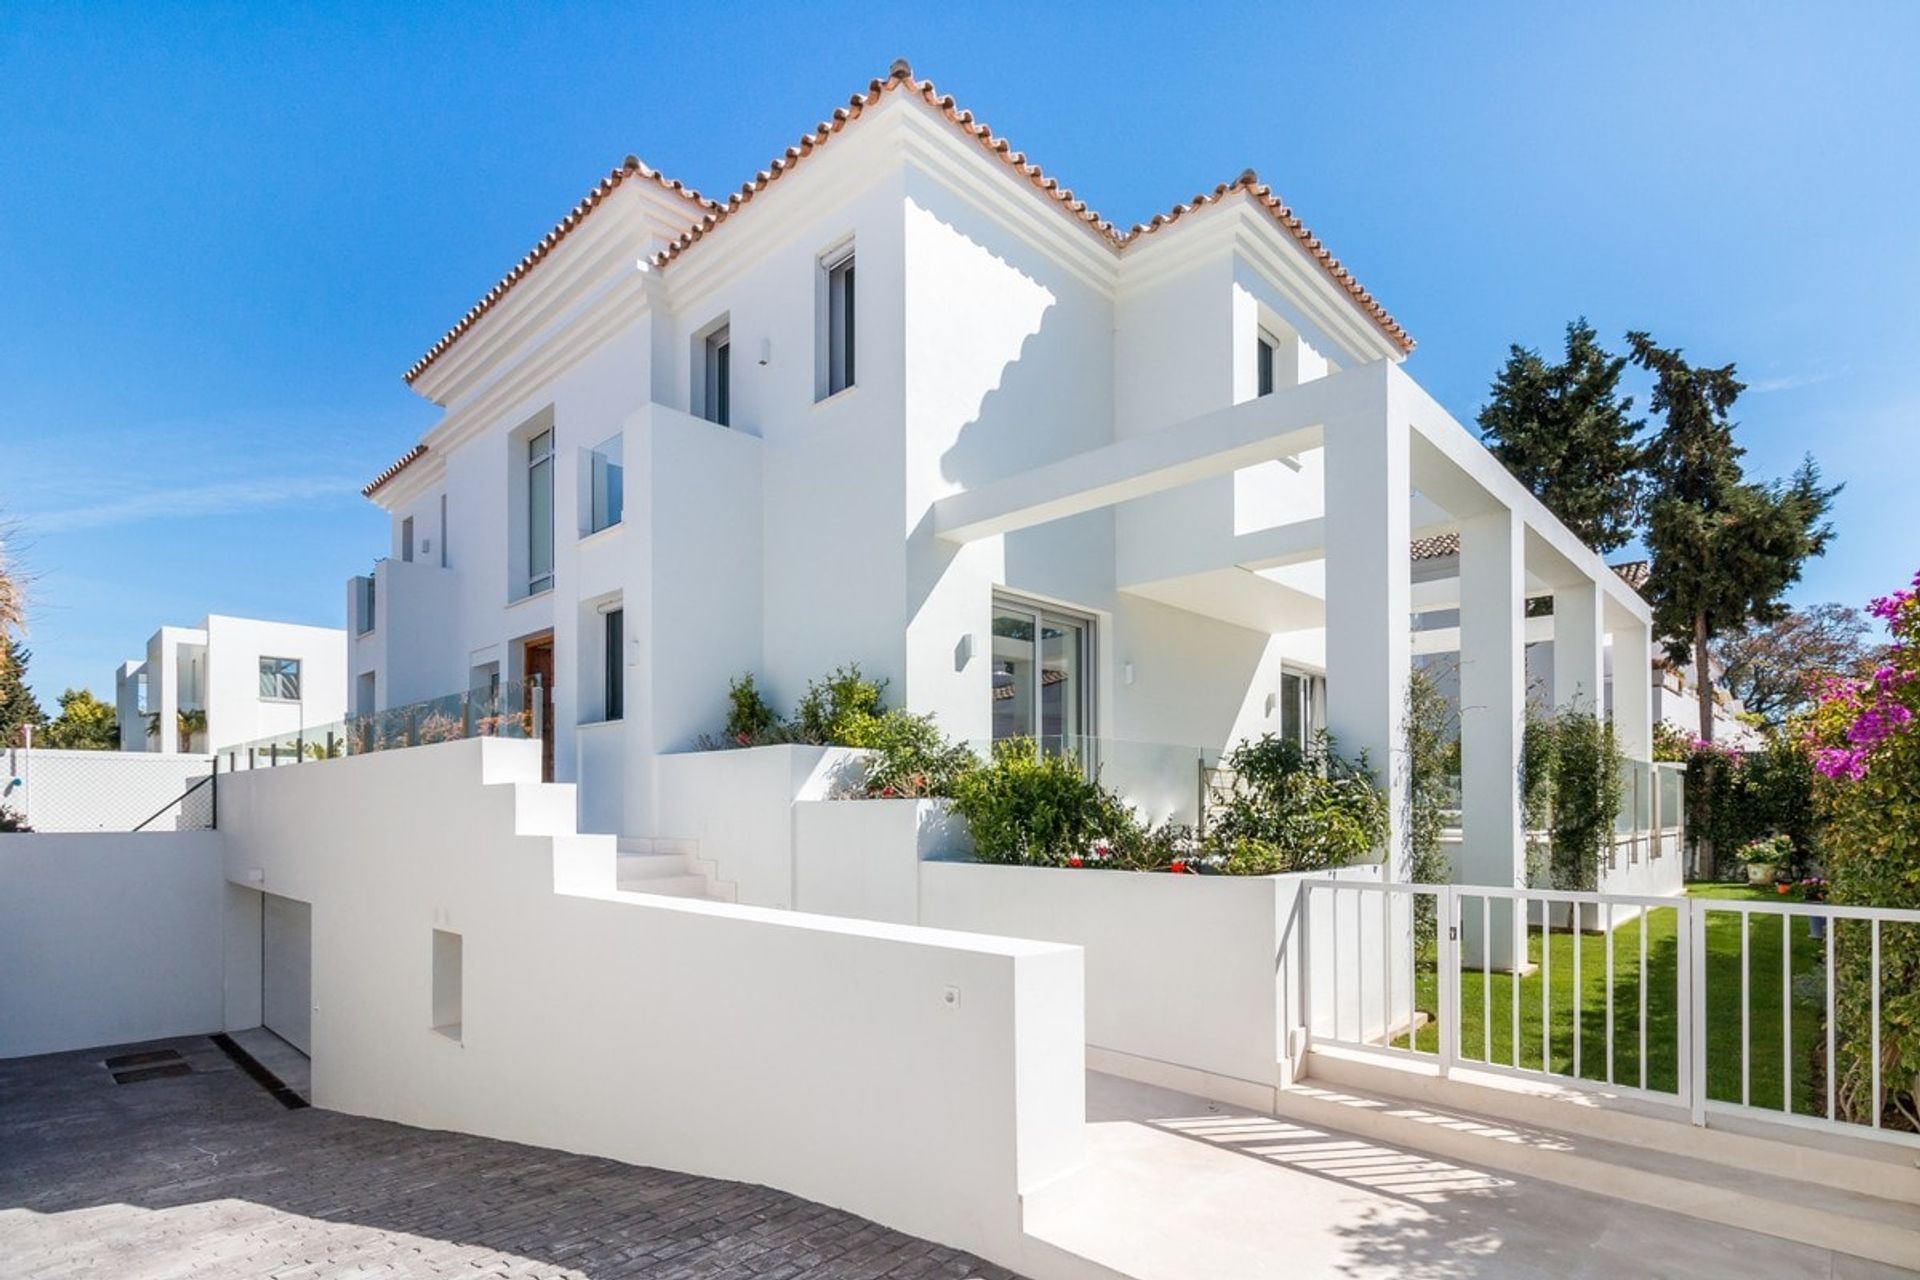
[921, 1078]
[109, 939]
[236, 713]
[1192, 981]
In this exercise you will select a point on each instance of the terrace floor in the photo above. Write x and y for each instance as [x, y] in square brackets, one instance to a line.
[204, 1173]
[1177, 1187]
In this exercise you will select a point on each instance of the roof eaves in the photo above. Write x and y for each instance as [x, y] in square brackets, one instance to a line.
[899, 77]
[1264, 196]
[629, 168]
[400, 464]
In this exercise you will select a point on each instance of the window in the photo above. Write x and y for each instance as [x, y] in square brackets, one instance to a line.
[616, 667]
[716, 404]
[364, 595]
[840, 323]
[540, 512]
[1042, 674]
[1263, 363]
[608, 498]
[1301, 697]
[406, 539]
[443, 531]
[280, 679]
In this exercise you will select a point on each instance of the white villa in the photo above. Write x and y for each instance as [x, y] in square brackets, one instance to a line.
[229, 681]
[905, 401]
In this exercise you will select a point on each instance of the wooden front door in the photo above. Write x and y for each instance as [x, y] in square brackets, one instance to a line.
[537, 668]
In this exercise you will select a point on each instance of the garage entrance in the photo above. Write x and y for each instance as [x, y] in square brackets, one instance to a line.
[286, 969]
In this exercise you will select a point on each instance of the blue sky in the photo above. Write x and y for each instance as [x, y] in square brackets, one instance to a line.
[227, 230]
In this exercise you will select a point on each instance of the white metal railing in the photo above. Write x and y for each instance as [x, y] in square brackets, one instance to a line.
[1679, 1000]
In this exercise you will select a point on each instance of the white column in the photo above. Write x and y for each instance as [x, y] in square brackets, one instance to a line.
[1579, 648]
[1633, 688]
[1369, 488]
[1493, 688]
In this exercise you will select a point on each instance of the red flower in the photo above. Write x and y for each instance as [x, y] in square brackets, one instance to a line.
[1178, 866]
[888, 792]
[1074, 861]
[740, 738]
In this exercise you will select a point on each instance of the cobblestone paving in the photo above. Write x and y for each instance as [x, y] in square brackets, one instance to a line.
[205, 1175]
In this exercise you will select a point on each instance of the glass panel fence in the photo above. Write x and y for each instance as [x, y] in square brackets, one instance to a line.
[504, 710]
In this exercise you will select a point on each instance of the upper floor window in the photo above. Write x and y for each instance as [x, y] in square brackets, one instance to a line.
[540, 512]
[838, 333]
[1263, 363]
[716, 377]
[615, 675]
[406, 539]
[607, 484]
[280, 679]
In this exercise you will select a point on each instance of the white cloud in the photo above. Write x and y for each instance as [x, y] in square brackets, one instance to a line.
[182, 502]
[1789, 382]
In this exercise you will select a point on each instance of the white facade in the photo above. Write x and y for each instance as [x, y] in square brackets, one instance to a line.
[237, 680]
[1187, 451]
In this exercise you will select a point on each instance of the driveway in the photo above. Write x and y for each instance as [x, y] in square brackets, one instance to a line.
[204, 1173]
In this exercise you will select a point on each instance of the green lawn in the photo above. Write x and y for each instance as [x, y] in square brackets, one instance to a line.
[1660, 977]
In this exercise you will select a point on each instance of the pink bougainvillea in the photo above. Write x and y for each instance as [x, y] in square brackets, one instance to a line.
[1854, 719]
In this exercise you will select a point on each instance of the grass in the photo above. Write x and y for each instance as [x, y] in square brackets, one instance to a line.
[1768, 1080]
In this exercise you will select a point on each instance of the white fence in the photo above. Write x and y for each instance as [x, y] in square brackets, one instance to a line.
[1768, 1010]
[64, 791]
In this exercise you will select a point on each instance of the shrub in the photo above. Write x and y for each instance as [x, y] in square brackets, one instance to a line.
[1432, 746]
[12, 822]
[749, 719]
[840, 709]
[912, 757]
[1294, 808]
[1030, 808]
[1864, 736]
[1587, 789]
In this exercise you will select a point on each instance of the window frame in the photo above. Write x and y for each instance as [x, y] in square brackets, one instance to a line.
[716, 375]
[539, 464]
[1266, 351]
[614, 675]
[278, 676]
[1088, 625]
[838, 317]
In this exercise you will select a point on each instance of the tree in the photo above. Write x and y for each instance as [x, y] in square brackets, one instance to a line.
[1724, 548]
[1772, 666]
[1566, 433]
[18, 707]
[84, 724]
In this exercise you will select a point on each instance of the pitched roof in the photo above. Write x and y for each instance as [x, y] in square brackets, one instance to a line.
[1632, 572]
[400, 464]
[628, 170]
[900, 78]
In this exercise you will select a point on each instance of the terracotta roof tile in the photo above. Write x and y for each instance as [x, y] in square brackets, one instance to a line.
[400, 464]
[1632, 572]
[900, 78]
[630, 168]
[1263, 195]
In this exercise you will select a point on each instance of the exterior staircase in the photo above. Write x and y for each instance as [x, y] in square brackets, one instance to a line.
[671, 868]
[1848, 1196]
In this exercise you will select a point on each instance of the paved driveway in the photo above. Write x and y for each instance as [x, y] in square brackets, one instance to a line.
[205, 1174]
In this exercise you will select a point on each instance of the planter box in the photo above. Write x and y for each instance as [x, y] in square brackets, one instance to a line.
[1192, 982]
[862, 857]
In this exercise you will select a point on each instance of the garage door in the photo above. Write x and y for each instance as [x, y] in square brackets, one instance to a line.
[286, 969]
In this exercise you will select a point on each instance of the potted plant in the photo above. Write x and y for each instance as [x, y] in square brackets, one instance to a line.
[1763, 858]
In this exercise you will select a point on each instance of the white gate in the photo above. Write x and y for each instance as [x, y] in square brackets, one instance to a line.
[1773, 1010]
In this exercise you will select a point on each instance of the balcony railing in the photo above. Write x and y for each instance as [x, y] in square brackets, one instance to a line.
[510, 709]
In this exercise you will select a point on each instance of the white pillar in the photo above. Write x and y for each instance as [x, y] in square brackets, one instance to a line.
[1369, 489]
[1579, 648]
[1493, 690]
[1633, 688]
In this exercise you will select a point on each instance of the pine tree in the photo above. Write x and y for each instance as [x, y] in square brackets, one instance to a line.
[1725, 549]
[18, 707]
[1566, 433]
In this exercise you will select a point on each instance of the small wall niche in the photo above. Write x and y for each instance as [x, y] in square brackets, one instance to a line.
[446, 983]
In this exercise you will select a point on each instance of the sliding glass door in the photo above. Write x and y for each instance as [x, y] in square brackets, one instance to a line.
[1042, 674]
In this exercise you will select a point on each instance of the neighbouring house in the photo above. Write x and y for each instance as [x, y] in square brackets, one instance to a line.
[228, 682]
[1436, 646]
[903, 400]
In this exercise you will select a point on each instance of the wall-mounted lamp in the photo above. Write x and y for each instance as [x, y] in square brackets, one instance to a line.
[1126, 673]
[963, 652]
[1273, 700]
[766, 350]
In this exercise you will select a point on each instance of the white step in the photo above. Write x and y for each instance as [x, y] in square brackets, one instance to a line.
[544, 808]
[651, 866]
[1753, 1199]
[668, 886]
